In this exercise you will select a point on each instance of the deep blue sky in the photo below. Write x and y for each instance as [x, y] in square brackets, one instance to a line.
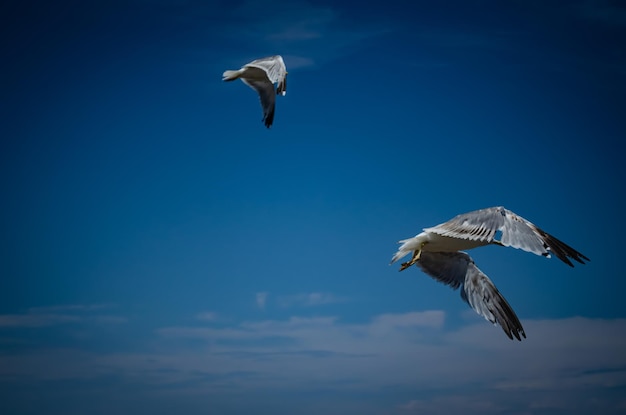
[162, 251]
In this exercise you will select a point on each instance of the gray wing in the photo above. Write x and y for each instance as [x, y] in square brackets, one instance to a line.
[265, 89]
[458, 269]
[517, 232]
[276, 71]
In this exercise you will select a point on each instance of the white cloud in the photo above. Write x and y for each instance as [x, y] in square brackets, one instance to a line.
[433, 368]
[413, 351]
[430, 318]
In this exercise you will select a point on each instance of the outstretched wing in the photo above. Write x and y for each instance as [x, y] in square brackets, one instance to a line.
[265, 89]
[517, 232]
[276, 71]
[458, 269]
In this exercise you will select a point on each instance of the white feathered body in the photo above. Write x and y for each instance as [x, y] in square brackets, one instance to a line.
[438, 252]
[271, 69]
[432, 242]
[261, 75]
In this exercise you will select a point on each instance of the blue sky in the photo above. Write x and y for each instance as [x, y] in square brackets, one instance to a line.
[163, 252]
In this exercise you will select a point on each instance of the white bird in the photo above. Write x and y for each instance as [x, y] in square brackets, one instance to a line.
[261, 75]
[437, 252]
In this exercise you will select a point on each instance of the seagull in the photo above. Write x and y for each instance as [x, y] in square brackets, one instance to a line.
[438, 252]
[261, 75]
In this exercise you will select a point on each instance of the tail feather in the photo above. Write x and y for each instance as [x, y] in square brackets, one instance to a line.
[403, 251]
[230, 75]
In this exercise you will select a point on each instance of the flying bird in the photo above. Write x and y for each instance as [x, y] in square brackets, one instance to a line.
[261, 75]
[437, 251]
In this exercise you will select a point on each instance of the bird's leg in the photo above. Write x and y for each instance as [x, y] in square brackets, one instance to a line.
[416, 257]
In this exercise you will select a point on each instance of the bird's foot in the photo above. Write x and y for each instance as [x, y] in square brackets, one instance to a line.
[414, 259]
[405, 265]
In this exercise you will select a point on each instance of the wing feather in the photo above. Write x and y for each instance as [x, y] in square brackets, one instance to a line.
[261, 75]
[479, 225]
[266, 94]
[517, 232]
[458, 269]
[274, 67]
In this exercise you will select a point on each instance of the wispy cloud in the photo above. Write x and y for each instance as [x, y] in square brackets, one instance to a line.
[461, 403]
[472, 40]
[434, 369]
[313, 25]
[60, 314]
[318, 333]
[305, 33]
[35, 320]
[310, 299]
[413, 351]
[602, 11]
[296, 21]
[251, 329]
[207, 316]
[70, 308]
[261, 299]
[387, 322]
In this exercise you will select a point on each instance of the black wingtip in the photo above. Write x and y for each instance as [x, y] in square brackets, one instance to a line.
[516, 332]
[562, 251]
[268, 119]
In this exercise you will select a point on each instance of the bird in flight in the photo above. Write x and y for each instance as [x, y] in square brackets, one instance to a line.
[261, 75]
[437, 251]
